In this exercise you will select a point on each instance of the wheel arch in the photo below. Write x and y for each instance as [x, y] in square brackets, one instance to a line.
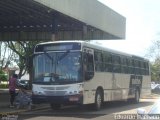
[100, 88]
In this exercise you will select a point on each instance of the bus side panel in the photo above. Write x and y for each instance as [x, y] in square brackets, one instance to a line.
[91, 86]
[108, 86]
[146, 86]
[123, 82]
[115, 86]
[119, 87]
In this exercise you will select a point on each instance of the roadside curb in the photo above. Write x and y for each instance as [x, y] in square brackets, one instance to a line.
[12, 112]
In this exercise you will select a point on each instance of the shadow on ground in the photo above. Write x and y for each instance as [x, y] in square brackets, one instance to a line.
[85, 112]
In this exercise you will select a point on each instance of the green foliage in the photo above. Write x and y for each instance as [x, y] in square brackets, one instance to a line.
[24, 50]
[3, 76]
[3, 86]
[155, 70]
[1, 72]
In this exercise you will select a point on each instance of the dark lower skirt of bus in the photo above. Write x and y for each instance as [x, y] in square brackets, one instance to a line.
[71, 99]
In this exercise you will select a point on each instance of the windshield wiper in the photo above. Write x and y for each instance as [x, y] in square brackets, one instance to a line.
[64, 55]
[48, 55]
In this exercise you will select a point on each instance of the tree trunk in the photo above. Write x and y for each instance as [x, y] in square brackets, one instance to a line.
[30, 70]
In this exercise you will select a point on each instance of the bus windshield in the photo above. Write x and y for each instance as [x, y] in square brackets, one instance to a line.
[57, 68]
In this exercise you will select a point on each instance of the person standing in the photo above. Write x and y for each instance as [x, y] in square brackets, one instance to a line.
[12, 88]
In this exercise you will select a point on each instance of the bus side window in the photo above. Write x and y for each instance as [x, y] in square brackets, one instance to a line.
[88, 66]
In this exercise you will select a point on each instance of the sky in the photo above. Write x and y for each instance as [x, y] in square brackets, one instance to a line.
[142, 25]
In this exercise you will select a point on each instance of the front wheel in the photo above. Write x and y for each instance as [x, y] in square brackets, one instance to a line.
[98, 100]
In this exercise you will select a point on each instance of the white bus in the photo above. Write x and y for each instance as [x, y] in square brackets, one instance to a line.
[78, 72]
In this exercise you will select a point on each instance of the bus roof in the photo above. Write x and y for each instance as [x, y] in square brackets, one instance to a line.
[98, 47]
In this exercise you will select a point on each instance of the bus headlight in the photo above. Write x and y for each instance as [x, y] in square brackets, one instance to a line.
[81, 92]
[76, 90]
[38, 93]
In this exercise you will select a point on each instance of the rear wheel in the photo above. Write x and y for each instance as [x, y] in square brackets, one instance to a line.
[137, 96]
[55, 106]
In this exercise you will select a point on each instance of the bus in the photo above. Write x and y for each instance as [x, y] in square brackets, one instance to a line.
[82, 73]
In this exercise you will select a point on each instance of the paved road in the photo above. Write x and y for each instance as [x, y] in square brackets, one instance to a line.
[109, 111]
[68, 113]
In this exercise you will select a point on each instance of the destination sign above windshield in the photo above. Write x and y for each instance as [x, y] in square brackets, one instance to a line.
[58, 47]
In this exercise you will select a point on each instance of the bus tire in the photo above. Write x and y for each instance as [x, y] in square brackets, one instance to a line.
[55, 106]
[137, 96]
[98, 100]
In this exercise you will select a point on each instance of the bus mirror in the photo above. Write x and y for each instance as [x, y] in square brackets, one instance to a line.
[89, 75]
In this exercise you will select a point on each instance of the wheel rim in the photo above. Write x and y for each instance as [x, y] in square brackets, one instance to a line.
[99, 100]
[137, 96]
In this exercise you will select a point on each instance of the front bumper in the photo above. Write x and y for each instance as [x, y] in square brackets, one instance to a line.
[69, 99]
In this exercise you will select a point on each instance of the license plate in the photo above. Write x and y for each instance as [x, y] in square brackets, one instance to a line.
[73, 99]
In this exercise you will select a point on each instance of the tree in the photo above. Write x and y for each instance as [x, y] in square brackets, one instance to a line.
[6, 56]
[154, 50]
[3, 76]
[24, 50]
[154, 56]
[155, 70]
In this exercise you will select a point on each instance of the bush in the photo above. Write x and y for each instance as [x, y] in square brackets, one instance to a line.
[3, 85]
[3, 76]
